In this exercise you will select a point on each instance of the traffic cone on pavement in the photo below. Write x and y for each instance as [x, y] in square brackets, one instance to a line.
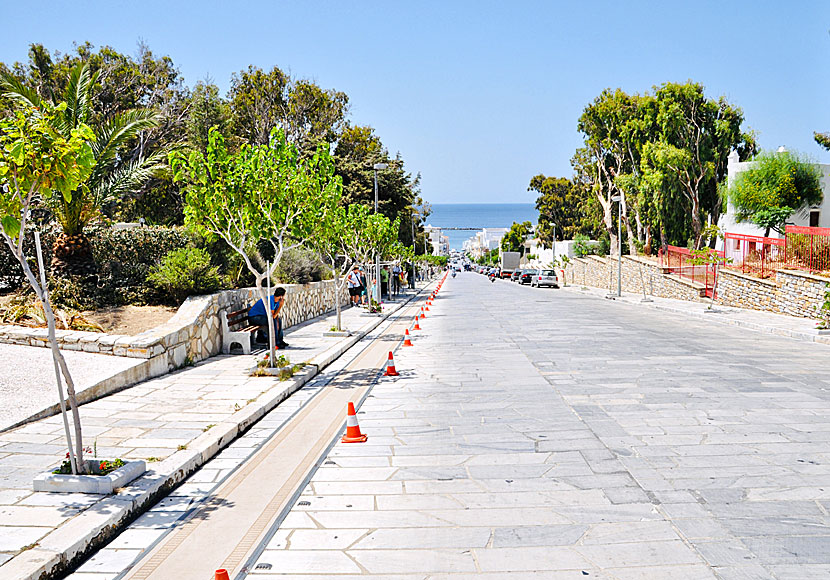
[353, 434]
[221, 574]
[422, 312]
[390, 367]
[406, 341]
[417, 326]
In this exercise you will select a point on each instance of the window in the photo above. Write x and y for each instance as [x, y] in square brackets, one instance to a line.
[814, 214]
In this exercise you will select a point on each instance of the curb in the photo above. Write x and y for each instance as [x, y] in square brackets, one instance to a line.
[67, 545]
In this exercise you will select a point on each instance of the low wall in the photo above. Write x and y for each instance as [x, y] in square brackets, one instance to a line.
[601, 272]
[789, 292]
[194, 332]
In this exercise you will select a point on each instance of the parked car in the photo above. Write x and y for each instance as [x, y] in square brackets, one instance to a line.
[506, 274]
[516, 275]
[527, 276]
[545, 278]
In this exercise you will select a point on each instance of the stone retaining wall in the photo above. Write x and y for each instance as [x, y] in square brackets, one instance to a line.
[790, 292]
[601, 272]
[194, 332]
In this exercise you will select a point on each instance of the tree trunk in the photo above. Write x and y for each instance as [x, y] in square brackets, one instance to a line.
[72, 255]
[337, 306]
[266, 301]
[57, 356]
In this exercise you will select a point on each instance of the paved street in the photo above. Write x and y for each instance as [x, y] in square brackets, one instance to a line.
[550, 434]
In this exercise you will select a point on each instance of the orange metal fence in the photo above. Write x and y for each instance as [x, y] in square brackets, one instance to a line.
[755, 254]
[808, 248]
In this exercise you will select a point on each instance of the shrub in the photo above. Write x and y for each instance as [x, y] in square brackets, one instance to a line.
[582, 247]
[300, 266]
[185, 272]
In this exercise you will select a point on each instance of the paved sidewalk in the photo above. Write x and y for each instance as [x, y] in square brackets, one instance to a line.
[767, 322]
[175, 422]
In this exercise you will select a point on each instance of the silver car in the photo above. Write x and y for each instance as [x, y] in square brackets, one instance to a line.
[544, 278]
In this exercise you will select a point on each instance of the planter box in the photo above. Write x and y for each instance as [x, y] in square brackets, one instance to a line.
[338, 333]
[103, 484]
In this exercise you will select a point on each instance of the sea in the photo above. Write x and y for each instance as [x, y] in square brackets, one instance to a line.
[478, 216]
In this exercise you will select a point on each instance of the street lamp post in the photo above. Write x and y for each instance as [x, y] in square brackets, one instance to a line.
[412, 270]
[618, 199]
[377, 167]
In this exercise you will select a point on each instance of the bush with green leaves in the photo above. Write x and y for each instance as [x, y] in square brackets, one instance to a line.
[185, 272]
[581, 246]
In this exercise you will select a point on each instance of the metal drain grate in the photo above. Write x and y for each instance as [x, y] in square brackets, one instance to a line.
[304, 502]
[263, 566]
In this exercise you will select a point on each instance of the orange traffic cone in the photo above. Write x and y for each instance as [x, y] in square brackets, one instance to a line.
[221, 574]
[422, 312]
[353, 434]
[427, 308]
[417, 326]
[390, 367]
[406, 341]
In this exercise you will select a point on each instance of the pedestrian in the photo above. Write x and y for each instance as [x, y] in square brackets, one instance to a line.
[257, 316]
[364, 297]
[384, 282]
[396, 279]
[355, 285]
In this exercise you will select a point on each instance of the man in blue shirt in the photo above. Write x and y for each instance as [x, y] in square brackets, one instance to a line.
[258, 316]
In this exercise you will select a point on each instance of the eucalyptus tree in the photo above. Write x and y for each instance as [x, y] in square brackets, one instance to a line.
[111, 178]
[261, 193]
[37, 163]
[694, 135]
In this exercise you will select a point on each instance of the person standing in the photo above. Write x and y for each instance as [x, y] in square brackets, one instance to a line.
[396, 279]
[355, 285]
[384, 282]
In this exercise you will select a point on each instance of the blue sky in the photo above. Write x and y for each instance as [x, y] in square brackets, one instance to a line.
[479, 96]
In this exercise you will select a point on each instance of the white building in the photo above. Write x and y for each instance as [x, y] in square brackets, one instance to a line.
[484, 241]
[816, 216]
[440, 243]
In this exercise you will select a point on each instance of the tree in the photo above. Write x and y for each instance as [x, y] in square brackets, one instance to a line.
[39, 161]
[514, 239]
[777, 185]
[262, 193]
[111, 178]
[694, 138]
[561, 209]
[348, 236]
[822, 139]
[207, 109]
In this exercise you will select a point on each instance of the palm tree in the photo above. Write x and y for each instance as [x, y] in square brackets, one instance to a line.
[112, 177]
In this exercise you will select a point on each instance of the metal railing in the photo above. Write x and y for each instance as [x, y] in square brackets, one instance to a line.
[808, 248]
[679, 262]
[755, 254]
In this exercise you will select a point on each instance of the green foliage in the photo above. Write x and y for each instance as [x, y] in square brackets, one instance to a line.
[185, 272]
[824, 311]
[773, 188]
[112, 177]
[822, 139]
[561, 209]
[513, 240]
[581, 246]
[300, 266]
[207, 110]
[431, 260]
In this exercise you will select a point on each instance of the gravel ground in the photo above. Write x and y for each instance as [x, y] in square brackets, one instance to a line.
[27, 380]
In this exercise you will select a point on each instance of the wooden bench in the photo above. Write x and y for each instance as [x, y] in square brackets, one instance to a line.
[241, 336]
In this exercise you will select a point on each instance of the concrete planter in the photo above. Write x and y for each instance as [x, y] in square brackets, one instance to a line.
[102, 484]
[338, 333]
[823, 331]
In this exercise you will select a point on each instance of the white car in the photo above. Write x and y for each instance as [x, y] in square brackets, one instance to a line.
[544, 278]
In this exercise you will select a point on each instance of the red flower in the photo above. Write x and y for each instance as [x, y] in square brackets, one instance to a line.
[103, 465]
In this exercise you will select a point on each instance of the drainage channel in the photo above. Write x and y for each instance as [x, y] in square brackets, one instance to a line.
[319, 401]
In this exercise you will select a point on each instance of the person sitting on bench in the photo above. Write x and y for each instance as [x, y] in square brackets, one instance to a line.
[259, 317]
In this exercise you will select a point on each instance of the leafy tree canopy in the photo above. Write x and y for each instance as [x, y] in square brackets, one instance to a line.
[513, 240]
[774, 187]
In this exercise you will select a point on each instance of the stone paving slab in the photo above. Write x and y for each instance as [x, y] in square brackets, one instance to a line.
[590, 438]
[176, 422]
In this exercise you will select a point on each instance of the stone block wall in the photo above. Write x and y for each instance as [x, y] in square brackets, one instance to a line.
[789, 292]
[601, 272]
[194, 332]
